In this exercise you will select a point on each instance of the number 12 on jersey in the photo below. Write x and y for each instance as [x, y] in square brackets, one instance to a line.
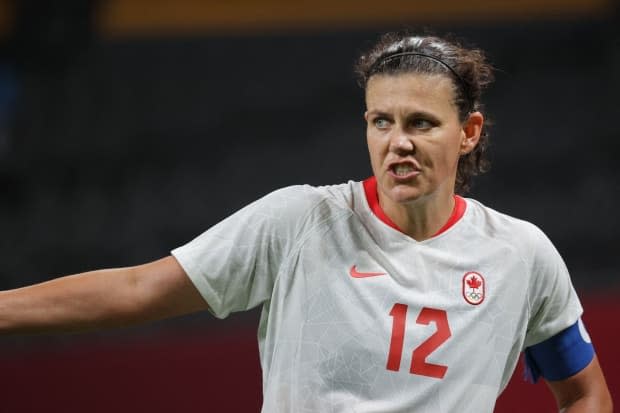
[420, 353]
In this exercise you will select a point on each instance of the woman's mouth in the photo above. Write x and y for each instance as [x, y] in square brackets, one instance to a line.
[403, 171]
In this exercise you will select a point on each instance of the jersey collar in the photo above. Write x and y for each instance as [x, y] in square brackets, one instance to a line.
[370, 189]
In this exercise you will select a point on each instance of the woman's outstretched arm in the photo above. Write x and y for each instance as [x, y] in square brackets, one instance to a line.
[101, 299]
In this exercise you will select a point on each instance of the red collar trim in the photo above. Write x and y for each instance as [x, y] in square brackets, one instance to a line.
[457, 213]
[370, 189]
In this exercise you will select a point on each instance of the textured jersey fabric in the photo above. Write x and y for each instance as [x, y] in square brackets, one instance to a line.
[358, 317]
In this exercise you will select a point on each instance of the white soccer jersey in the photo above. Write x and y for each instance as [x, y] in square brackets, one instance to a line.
[359, 317]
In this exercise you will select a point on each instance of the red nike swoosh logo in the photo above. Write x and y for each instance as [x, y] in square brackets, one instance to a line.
[353, 272]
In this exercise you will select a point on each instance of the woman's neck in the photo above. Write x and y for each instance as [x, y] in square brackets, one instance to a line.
[423, 217]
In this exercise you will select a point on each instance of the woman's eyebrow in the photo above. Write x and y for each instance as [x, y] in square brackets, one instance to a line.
[378, 112]
[423, 114]
[414, 114]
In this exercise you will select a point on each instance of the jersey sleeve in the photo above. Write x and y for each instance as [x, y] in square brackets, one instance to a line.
[234, 263]
[553, 302]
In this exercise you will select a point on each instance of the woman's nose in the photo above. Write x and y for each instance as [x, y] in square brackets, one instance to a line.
[401, 143]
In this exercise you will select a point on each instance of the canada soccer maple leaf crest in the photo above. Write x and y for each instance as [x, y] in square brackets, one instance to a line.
[474, 282]
[473, 287]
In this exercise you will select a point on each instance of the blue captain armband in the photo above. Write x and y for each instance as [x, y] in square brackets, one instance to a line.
[560, 356]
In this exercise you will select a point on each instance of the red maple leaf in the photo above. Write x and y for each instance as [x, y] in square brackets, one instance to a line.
[474, 282]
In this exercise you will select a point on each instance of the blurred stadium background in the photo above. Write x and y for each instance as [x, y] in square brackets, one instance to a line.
[128, 127]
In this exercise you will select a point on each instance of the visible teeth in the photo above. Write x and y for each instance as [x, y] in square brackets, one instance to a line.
[402, 170]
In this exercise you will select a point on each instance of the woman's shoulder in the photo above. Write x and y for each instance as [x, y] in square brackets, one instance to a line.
[501, 225]
[308, 196]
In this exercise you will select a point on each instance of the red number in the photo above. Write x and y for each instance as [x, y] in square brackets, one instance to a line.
[420, 353]
[399, 312]
[418, 360]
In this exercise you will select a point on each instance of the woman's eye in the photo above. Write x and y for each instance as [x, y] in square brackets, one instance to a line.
[422, 124]
[381, 123]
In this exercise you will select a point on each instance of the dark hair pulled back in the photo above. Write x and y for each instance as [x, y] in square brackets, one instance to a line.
[403, 52]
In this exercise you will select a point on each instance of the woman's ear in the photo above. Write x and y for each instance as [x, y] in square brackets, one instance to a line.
[472, 129]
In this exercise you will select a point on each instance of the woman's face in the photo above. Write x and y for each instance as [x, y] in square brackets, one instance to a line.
[414, 135]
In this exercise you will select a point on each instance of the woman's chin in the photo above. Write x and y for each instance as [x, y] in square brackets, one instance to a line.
[403, 194]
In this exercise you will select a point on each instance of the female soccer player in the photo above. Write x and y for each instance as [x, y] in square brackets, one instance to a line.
[393, 294]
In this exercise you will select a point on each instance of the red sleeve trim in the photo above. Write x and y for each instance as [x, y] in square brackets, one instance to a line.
[372, 197]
